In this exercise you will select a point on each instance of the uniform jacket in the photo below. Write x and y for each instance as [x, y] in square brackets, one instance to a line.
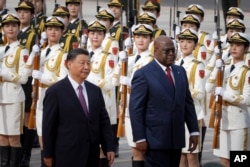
[68, 135]
[158, 112]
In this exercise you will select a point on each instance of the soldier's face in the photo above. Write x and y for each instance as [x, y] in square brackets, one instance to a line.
[38, 4]
[229, 17]
[11, 30]
[117, 11]
[73, 9]
[187, 46]
[189, 26]
[96, 38]
[142, 42]
[237, 50]
[54, 34]
[230, 31]
[25, 16]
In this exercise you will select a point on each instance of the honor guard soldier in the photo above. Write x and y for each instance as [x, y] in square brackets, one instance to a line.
[27, 38]
[75, 26]
[68, 40]
[154, 7]
[192, 22]
[204, 37]
[143, 35]
[109, 43]
[118, 31]
[102, 67]
[40, 14]
[13, 73]
[235, 93]
[3, 11]
[226, 5]
[51, 69]
[195, 70]
[233, 25]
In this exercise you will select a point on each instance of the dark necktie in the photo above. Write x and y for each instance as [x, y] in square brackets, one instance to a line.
[82, 100]
[7, 48]
[47, 52]
[137, 58]
[168, 70]
[91, 54]
[232, 68]
[182, 62]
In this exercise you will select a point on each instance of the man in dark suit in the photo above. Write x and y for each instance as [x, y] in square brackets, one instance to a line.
[160, 105]
[75, 121]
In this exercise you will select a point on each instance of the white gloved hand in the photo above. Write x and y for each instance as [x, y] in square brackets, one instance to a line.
[216, 50]
[83, 39]
[219, 91]
[122, 55]
[128, 42]
[215, 36]
[125, 80]
[35, 48]
[219, 63]
[37, 74]
[43, 38]
[177, 30]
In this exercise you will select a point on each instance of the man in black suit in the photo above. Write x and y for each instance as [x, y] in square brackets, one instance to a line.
[75, 121]
[160, 105]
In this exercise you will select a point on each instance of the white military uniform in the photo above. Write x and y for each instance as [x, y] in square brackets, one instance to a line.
[235, 121]
[145, 58]
[196, 76]
[53, 69]
[11, 92]
[206, 39]
[102, 67]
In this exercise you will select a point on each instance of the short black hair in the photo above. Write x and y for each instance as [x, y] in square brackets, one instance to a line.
[75, 52]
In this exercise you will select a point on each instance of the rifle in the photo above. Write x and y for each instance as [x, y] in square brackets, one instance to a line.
[83, 32]
[219, 83]
[170, 22]
[36, 64]
[123, 94]
[97, 6]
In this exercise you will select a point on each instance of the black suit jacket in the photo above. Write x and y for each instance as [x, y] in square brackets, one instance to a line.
[69, 136]
[159, 111]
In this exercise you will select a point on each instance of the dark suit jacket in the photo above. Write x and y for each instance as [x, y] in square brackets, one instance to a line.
[159, 111]
[69, 136]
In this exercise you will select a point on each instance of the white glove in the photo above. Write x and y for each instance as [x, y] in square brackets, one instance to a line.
[125, 80]
[35, 48]
[37, 74]
[128, 42]
[83, 39]
[219, 63]
[44, 36]
[219, 91]
[216, 50]
[215, 36]
[122, 55]
[177, 30]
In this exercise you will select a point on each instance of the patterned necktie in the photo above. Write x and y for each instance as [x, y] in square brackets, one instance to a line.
[168, 70]
[91, 54]
[82, 100]
[137, 58]
[47, 52]
[7, 48]
[232, 68]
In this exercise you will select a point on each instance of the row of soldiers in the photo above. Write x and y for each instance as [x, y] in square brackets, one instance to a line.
[53, 37]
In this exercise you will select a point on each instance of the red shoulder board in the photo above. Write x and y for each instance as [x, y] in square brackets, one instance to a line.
[203, 55]
[111, 63]
[25, 58]
[201, 73]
